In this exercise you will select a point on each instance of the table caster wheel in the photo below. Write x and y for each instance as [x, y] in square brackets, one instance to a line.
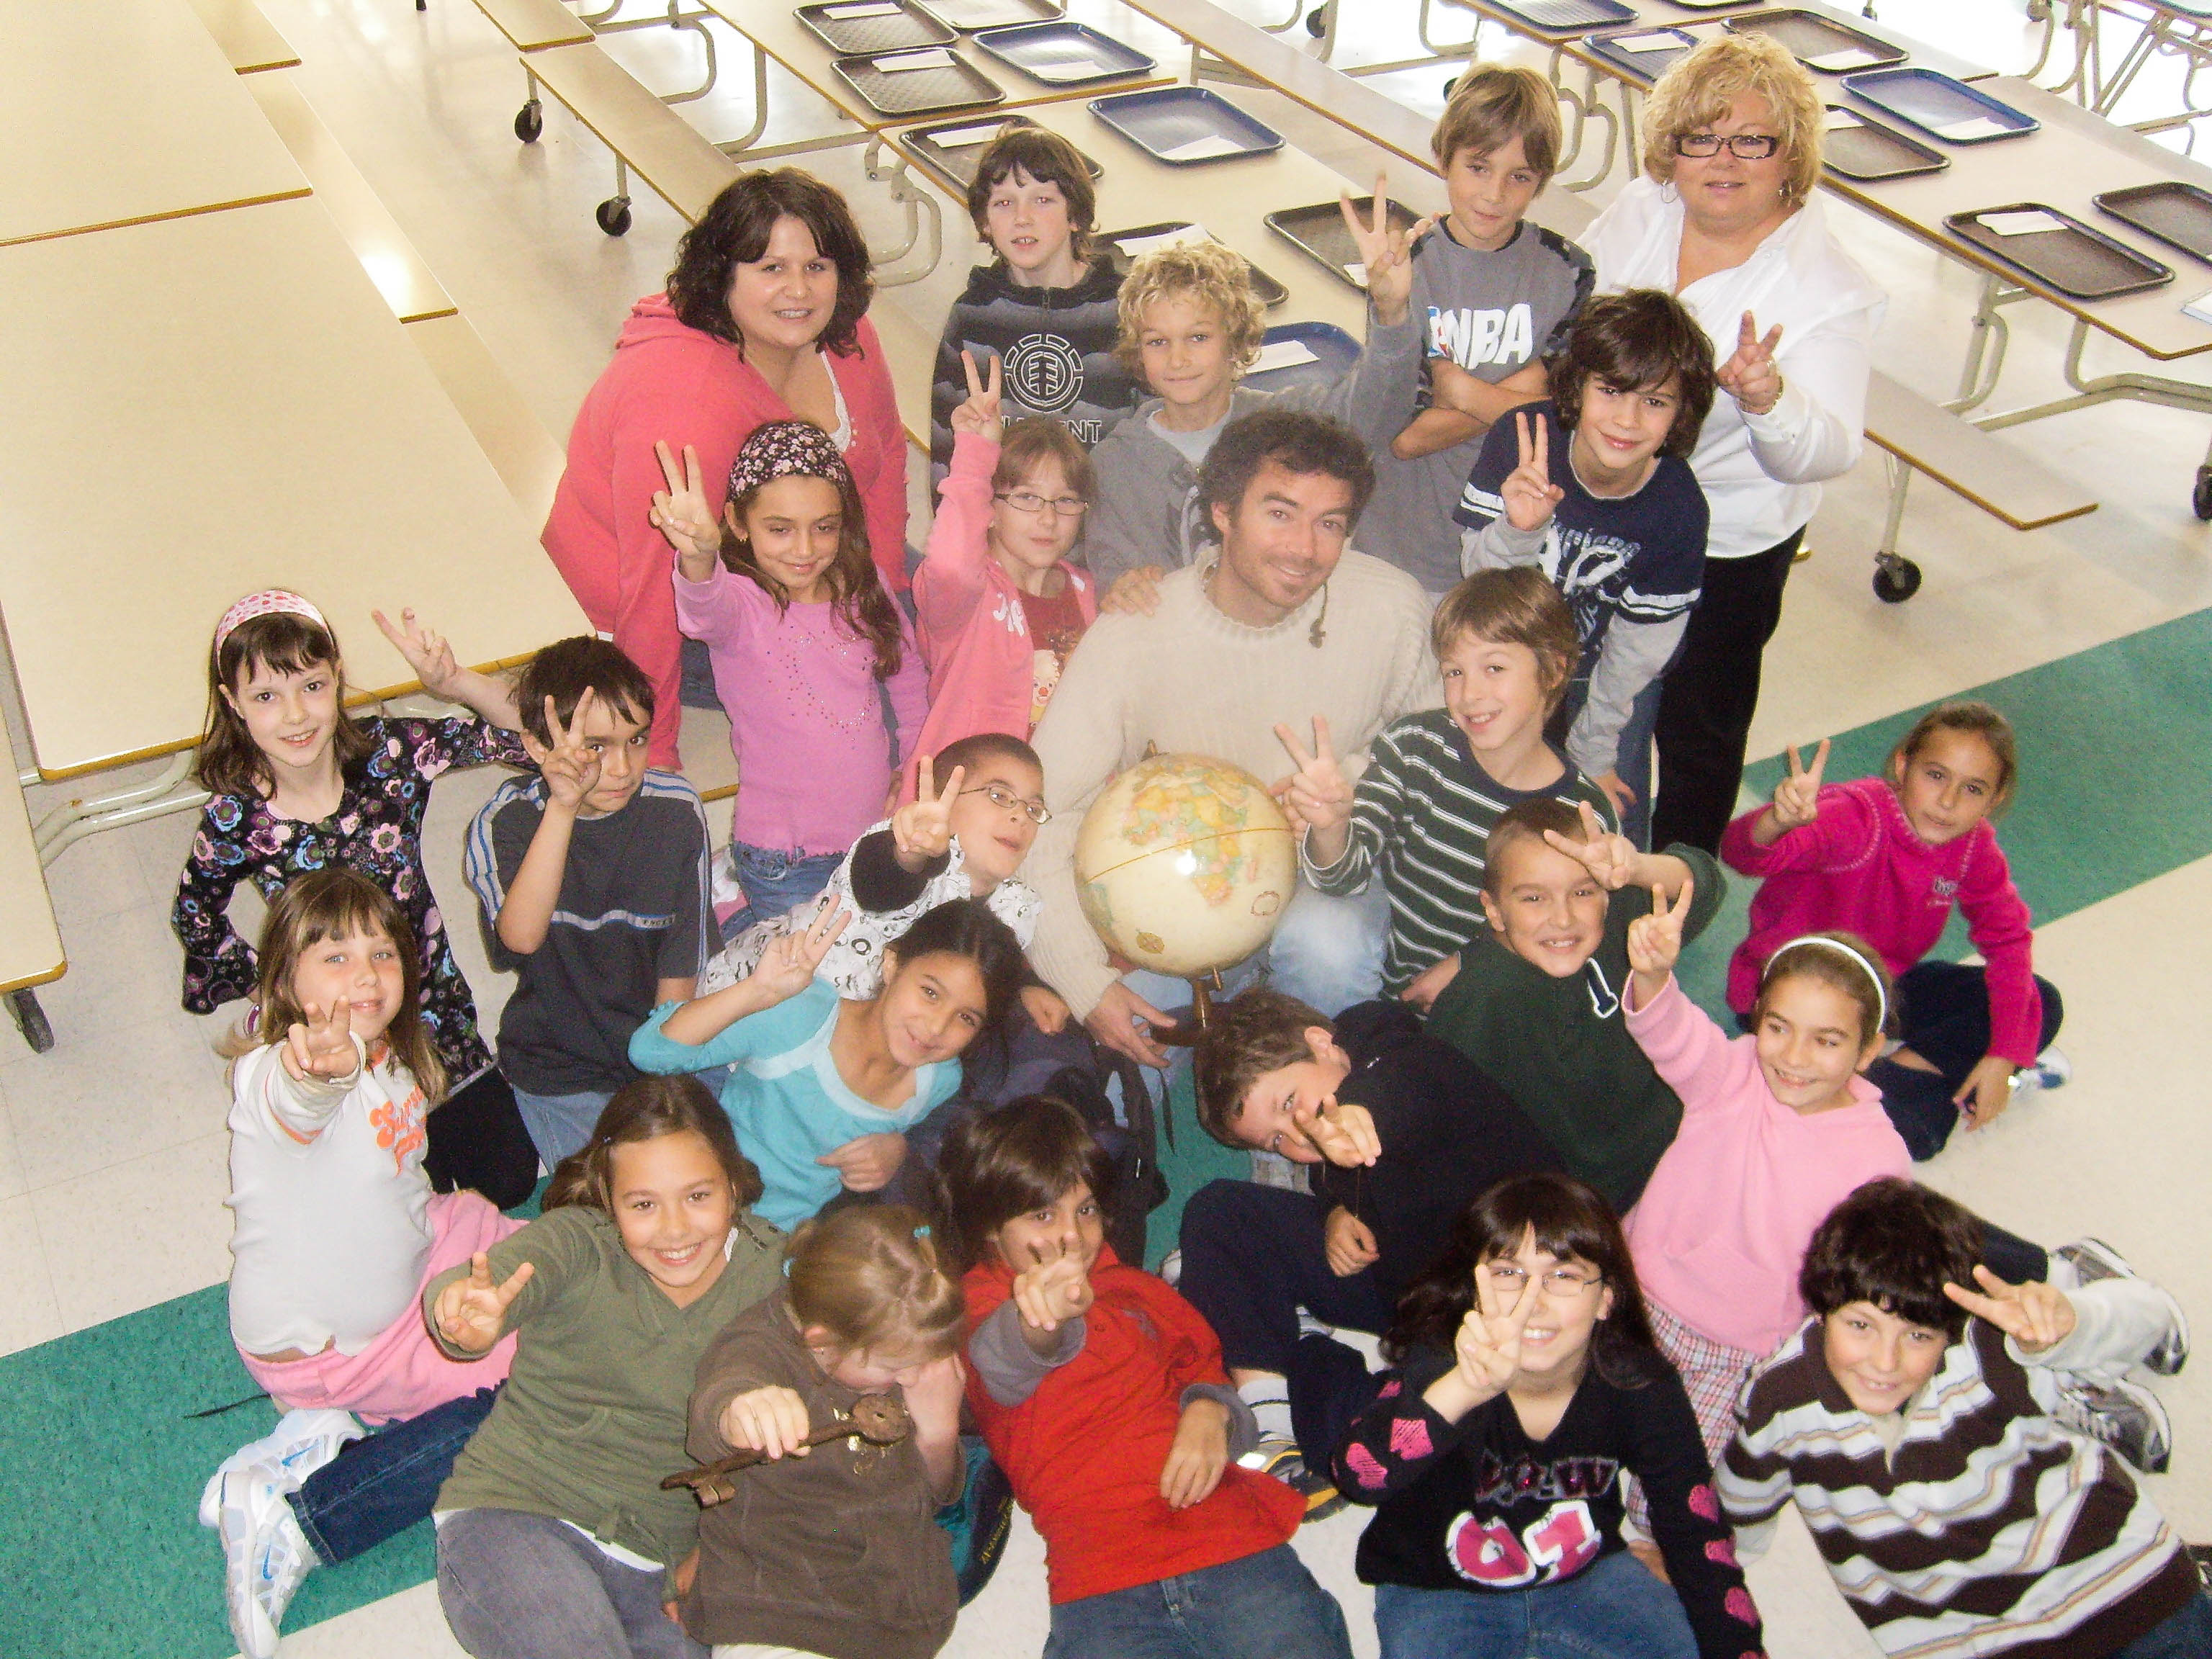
[31, 1020]
[1317, 22]
[1895, 579]
[530, 121]
[613, 215]
[2039, 11]
[2200, 498]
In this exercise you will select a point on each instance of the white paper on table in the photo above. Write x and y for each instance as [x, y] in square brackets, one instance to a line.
[1656, 40]
[967, 137]
[1840, 121]
[864, 9]
[934, 57]
[2022, 223]
[1283, 354]
[2200, 308]
[1974, 127]
[1846, 58]
[1198, 148]
[1357, 269]
[1181, 236]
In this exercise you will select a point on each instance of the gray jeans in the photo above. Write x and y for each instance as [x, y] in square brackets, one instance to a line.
[517, 1586]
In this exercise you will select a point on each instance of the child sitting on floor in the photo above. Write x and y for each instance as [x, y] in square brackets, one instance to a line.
[1956, 1515]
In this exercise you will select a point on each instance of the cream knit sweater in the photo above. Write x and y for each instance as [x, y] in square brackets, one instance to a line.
[1187, 679]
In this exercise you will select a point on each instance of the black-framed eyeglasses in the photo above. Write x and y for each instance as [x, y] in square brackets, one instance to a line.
[1744, 146]
[1028, 500]
[1005, 800]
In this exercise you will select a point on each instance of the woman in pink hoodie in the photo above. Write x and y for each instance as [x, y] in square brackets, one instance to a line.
[765, 319]
[999, 606]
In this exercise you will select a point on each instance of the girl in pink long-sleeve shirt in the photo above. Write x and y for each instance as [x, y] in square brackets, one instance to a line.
[1888, 857]
[805, 645]
[1000, 608]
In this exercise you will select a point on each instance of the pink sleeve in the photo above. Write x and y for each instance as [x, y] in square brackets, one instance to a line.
[873, 402]
[955, 563]
[1691, 1054]
[909, 693]
[713, 610]
[1830, 842]
[1998, 922]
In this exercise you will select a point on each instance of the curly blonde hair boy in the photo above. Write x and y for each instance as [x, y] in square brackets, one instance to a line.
[1205, 272]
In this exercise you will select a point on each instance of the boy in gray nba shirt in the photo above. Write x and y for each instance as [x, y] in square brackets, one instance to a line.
[1494, 295]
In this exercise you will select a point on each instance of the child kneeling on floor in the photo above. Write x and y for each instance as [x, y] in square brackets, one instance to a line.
[1956, 1515]
[1100, 1393]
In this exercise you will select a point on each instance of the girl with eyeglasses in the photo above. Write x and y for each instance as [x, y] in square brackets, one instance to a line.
[997, 606]
[1526, 1390]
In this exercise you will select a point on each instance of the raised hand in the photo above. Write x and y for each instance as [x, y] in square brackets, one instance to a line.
[1055, 1288]
[571, 771]
[427, 653]
[1386, 252]
[979, 414]
[1348, 1243]
[322, 1046]
[1797, 797]
[1610, 857]
[472, 1311]
[2035, 1316]
[680, 511]
[1487, 1347]
[1529, 493]
[1318, 791]
[1343, 1135]
[1654, 941]
[786, 967]
[921, 831]
[770, 1420]
[1751, 376]
[867, 1163]
[1135, 592]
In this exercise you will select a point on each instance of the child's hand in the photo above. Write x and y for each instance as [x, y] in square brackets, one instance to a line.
[470, 1312]
[681, 1578]
[1751, 375]
[570, 770]
[427, 653]
[1348, 1243]
[1317, 792]
[1135, 593]
[867, 1163]
[979, 414]
[1488, 1345]
[786, 967]
[1610, 857]
[1053, 1288]
[1797, 797]
[1198, 1454]
[323, 1047]
[1345, 1135]
[1529, 492]
[771, 1421]
[1981, 1100]
[1387, 253]
[1654, 941]
[680, 511]
[1046, 1010]
[1430, 983]
[933, 1397]
[2036, 1316]
[921, 831]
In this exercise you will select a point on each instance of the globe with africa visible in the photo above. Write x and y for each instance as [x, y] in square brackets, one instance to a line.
[1184, 864]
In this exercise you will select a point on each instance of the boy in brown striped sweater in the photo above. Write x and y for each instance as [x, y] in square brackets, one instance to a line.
[1955, 1514]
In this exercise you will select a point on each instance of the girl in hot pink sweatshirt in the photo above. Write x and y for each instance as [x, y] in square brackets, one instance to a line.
[700, 367]
[999, 606]
[1888, 857]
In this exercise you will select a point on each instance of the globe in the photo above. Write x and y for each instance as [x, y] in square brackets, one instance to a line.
[1184, 864]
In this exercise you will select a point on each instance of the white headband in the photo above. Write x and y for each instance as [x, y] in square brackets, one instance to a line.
[1874, 973]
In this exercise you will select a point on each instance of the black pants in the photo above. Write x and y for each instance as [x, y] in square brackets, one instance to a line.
[1252, 1257]
[477, 1139]
[1711, 692]
[1943, 1016]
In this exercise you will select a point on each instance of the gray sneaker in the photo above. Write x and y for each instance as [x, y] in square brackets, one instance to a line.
[1282, 1460]
[2123, 1415]
[2094, 1260]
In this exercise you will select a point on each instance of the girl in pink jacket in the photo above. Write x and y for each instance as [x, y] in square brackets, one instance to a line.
[1888, 856]
[999, 606]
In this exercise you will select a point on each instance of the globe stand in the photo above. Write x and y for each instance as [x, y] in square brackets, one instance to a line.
[1191, 1023]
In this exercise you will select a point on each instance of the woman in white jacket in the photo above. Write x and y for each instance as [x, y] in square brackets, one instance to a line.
[1725, 219]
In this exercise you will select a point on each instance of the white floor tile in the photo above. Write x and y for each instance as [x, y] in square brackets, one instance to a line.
[136, 1233]
[28, 1312]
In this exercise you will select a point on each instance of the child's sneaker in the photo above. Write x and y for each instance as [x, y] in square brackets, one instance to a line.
[1171, 1266]
[301, 1443]
[2092, 1259]
[264, 1556]
[2051, 1070]
[1282, 1460]
[2124, 1415]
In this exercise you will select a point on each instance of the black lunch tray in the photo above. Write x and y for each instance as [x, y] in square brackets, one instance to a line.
[1862, 148]
[2177, 214]
[955, 84]
[865, 27]
[1271, 293]
[968, 15]
[1318, 233]
[958, 161]
[1818, 42]
[1567, 16]
[2069, 256]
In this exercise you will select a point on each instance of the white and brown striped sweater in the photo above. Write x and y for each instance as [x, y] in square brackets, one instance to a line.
[1989, 1529]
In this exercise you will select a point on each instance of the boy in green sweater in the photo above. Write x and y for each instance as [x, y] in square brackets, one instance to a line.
[1535, 1001]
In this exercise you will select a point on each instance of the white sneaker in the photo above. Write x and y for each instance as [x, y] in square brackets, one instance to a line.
[301, 1443]
[2051, 1070]
[264, 1556]
[1171, 1266]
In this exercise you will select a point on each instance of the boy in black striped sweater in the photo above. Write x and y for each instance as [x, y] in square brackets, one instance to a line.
[1956, 1515]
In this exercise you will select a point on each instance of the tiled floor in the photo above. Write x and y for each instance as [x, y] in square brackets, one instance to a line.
[111, 1154]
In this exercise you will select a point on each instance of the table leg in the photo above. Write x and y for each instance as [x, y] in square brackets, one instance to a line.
[73, 820]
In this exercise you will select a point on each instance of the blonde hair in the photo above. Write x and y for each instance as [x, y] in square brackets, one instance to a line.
[1698, 87]
[1492, 104]
[868, 1278]
[1207, 273]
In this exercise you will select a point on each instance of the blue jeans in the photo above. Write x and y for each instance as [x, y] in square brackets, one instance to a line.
[774, 881]
[1327, 952]
[380, 1486]
[517, 1586]
[1632, 762]
[1263, 1606]
[2187, 1635]
[1613, 1609]
[561, 1124]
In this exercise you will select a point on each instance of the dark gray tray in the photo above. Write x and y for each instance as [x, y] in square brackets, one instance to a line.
[1866, 151]
[1064, 54]
[2177, 214]
[1271, 293]
[1642, 53]
[1568, 16]
[958, 161]
[1817, 42]
[2070, 256]
[1163, 120]
[954, 84]
[1318, 233]
[968, 15]
[848, 28]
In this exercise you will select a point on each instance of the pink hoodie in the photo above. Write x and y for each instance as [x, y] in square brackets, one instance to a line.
[1721, 1228]
[982, 662]
[672, 383]
[1860, 865]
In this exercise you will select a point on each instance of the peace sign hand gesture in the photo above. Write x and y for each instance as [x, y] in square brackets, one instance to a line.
[571, 771]
[787, 966]
[921, 831]
[426, 651]
[681, 514]
[1054, 1289]
[1797, 797]
[1386, 252]
[1610, 857]
[1318, 791]
[1529, 493]
[1345, 1135]
[472, 1311]
[1488, 1345]
[979, 414]
[321, 1048]
[1751, 376]
[1654, 941]
[2036, 1316]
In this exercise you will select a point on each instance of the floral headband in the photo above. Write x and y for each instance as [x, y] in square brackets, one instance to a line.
[786, 449]
[269, 602]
